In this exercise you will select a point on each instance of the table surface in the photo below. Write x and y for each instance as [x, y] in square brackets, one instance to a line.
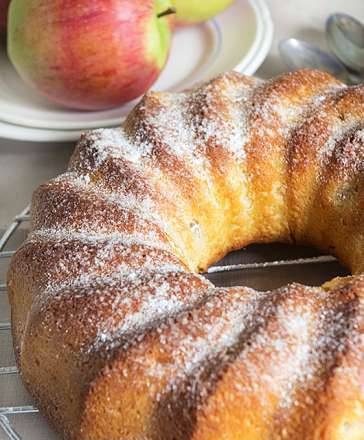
[24, 165]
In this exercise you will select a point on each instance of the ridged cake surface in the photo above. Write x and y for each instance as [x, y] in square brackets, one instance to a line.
[118, 337]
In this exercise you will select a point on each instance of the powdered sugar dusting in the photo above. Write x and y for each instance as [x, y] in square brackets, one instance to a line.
[339, 131]
[224, 121]
[241, 348]
[114, 142]
[143, 206]
[169, 126]
[106, 281]
[200, 334]
[158, 306]
[109, 239]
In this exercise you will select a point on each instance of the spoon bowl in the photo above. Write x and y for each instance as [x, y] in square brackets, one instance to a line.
[345, 37]
[298, 54]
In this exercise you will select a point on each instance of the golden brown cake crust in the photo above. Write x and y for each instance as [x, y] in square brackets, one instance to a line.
[118, 337]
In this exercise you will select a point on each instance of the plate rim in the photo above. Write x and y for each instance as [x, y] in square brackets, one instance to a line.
[28, 134]
[263, 39]
[251, 62]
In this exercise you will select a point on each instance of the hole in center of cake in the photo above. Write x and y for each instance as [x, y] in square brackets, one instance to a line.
[273, 276]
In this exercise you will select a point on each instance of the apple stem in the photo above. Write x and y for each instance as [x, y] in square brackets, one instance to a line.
[168, 11]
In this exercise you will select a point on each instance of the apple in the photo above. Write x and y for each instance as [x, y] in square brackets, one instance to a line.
[196, 11]
[4, 5]
[89, 54]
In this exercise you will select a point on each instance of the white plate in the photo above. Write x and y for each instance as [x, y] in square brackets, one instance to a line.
[239, 39]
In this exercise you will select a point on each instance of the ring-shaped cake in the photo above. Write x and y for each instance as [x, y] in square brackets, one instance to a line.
[116, 334]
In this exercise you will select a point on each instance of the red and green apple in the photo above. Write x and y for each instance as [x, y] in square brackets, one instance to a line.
[89, 54]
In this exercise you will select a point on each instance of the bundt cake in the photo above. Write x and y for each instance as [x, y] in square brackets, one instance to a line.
[118, 337]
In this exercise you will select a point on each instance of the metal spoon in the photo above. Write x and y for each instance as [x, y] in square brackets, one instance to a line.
[298, 54]
[345, 37]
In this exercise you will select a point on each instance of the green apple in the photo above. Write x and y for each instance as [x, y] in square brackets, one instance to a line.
[89, 54]
[195, 11]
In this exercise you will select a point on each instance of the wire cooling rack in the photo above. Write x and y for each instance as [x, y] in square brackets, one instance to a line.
[9, 373]
[20, 419]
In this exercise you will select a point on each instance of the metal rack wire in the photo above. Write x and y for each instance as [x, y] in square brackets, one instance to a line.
[5, 423]
[6, 426]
